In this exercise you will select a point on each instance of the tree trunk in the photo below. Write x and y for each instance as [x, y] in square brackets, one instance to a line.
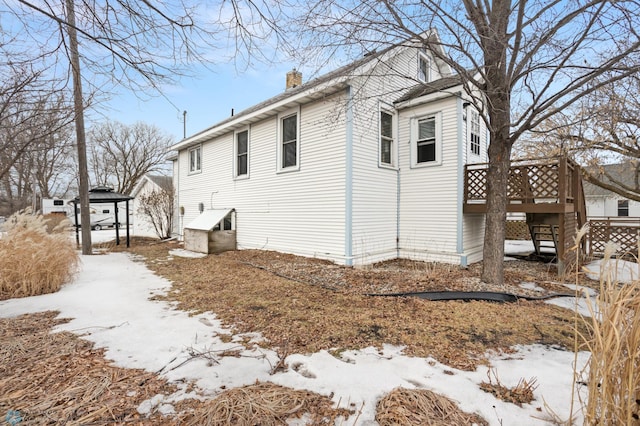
[494, 232]
[83, 174]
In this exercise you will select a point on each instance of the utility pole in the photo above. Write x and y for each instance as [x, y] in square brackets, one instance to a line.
[83, 174]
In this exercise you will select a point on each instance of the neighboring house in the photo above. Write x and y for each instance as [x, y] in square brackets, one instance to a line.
[602, 202]
[360, 165]
[149, 183]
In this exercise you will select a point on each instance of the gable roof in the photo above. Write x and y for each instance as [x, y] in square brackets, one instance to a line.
[164, 182]
[620, 172]
[431, 87]
[318, 88]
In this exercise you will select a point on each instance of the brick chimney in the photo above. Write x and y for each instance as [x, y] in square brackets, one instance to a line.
[294, 79]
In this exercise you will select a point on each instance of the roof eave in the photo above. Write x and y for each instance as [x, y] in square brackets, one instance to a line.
[313, 93]
[455, 91]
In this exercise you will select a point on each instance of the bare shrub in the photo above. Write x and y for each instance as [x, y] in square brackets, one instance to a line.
[522, 393]
[157, 207]
[34, 261]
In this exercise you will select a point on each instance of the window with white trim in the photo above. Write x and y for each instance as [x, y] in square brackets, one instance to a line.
[242, 153]
[426, 143]
[195, 159]
[474, 132]
[289, 141]
[386, 138]
[423, 66]
[623, 207]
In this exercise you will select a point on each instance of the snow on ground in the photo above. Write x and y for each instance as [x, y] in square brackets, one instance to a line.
[618, 270]
[110, 306]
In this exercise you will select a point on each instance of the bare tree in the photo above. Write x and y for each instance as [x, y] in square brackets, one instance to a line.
[120, 154]
[34, 142]
[602, 133]
[136, 44]
[533, 60]
[158, 207]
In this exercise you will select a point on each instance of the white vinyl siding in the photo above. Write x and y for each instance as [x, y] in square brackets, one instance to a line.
[429, 199]
[398, 207]
[302, 212]
[600, 205]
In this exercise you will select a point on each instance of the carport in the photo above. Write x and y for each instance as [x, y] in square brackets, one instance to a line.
[104, 195]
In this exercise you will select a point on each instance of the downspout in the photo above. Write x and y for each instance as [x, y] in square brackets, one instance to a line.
[397, 131]
[460, 180]
[348, 219]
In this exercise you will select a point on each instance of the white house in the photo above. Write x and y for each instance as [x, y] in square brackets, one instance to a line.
[602, 202]
[149, 183]
[363, 164]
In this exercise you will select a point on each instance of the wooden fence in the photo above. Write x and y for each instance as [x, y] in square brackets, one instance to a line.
[623, 231]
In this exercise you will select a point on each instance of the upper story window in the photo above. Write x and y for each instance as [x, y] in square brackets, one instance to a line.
[424, 68]
[289, 140]
[474, 133]
[386, 138]
[623, 207]
[426, 144]
[242, 153]
[195, 159]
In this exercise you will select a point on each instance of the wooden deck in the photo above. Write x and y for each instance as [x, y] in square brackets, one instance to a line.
[549, 191]
[535, 186]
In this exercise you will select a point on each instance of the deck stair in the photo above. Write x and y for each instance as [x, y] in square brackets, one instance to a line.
[544, 229]
[549, 191]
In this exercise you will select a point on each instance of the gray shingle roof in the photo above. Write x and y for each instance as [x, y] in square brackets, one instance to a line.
[164, 182]
[621, 172]
[431, 87]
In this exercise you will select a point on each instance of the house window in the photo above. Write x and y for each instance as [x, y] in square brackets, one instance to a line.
[623, 207]
[242, 153]
[289, 141]
[423, 66]
[474, 134]
[195, 159]
[386, 138]
[225, 224]
[426, 142]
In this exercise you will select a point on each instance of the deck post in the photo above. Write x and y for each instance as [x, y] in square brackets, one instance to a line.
[562, 180]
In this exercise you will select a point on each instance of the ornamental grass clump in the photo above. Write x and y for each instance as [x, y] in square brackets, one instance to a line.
[613, 370]
[32, 260]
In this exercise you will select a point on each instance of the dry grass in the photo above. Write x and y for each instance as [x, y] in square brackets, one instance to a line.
[307, 318]
[34, 261]
[614, 342]
[522, 393]
[55, 379]
[422, 407]
[265, 404]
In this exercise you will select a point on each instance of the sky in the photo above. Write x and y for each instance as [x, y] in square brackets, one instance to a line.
[109, 303]
[208, 98]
